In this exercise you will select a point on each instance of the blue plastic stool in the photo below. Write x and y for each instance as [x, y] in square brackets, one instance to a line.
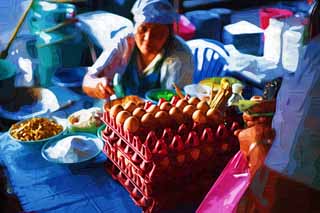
[210, 60]
[209, 57]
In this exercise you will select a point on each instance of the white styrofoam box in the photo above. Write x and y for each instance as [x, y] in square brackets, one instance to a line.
[245, 36]
[243, 27]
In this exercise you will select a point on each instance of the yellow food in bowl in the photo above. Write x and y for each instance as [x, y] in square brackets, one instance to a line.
[35, 129]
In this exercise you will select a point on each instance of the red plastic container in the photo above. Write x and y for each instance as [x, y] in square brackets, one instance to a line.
[185, 28]
[168, 167]
[267, 13]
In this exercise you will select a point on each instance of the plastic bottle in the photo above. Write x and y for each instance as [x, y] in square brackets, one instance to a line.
[236, 96]
[118, 89]
[233, 116]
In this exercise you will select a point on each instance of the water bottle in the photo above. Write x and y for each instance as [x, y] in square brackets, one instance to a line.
[236, 96]
[232, 113]
[117, 86]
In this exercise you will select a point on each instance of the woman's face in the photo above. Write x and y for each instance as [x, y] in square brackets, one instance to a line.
[151, 37]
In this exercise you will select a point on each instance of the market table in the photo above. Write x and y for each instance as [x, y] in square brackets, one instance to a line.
[42, 186]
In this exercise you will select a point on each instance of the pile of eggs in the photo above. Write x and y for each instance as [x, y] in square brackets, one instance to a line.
[132, 117]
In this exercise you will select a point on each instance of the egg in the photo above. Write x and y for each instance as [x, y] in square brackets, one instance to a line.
[122, 116]
[199, 117]
[163, 118]
[203, 106]
[214, 115]
[115, 110]
[181, 104]
[148, 120]
[153, 109]
[194, 101]
[131, 124]
[176, 114]
[138, 112]
[130, 106]
[166, 106]
[188, 110]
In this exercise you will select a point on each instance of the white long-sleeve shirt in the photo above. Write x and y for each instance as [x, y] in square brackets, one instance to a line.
[296, 149]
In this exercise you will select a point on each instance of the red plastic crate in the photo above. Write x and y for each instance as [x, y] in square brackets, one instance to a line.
[186, 160]
[168, 199]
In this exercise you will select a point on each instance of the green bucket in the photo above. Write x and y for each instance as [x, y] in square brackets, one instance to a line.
[7, 76]
[56, 50]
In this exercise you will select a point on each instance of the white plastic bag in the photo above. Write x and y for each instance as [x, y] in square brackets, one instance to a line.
[272, 41]
[292, 46]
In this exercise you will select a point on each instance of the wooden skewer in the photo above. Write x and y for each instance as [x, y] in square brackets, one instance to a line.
[222, 96]
[4, 53]
[212, 94]
[178, 91]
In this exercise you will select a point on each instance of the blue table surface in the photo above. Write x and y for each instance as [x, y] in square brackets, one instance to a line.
[42, 186]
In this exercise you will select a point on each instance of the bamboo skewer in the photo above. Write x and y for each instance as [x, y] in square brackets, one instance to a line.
[4, 53]
[178, 91]
[222, 96]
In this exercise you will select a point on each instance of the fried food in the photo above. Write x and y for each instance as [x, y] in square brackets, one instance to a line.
[35, 129]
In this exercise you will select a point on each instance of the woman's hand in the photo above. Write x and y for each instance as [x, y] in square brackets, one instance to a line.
[255, 140]
[97, 87]
[97, 82]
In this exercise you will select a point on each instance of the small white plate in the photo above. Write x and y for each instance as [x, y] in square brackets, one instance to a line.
[85, 147]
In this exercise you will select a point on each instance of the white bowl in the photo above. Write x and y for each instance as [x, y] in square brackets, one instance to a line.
[197, 90]
[73, 148]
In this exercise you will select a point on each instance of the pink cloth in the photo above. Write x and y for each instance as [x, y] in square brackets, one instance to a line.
[228, 189]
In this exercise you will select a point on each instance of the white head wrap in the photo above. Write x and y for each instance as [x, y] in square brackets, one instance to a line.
[154, 11]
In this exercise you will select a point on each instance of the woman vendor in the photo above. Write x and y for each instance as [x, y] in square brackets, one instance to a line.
[153, 58]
